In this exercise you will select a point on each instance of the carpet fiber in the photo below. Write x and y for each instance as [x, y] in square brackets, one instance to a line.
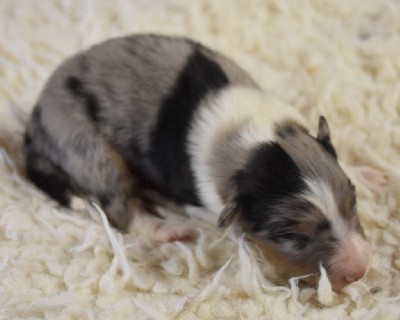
[336, 58]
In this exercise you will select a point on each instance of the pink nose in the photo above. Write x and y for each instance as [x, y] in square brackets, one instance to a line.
[353, 277]
[347, 276]
[351, 262]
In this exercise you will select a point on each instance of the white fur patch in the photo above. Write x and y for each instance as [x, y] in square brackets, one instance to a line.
[202, 213]
[321, 195]
[232, 106]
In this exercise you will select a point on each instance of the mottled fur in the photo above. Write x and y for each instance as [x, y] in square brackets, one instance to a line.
[143, 120]
[111, 124]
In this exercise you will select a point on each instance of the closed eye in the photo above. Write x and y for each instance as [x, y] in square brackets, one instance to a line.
[299, 241]
[322, 227]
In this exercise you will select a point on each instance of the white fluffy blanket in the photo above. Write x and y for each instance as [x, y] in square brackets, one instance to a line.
[332, 57]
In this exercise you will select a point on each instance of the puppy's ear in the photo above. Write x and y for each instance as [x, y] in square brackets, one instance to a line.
[324, 136]
[229, 214]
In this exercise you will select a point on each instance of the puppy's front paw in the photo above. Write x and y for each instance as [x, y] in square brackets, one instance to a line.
[77, 204]
[169, 231]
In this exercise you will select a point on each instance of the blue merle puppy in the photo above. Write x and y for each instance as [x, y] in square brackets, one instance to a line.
[137, 122]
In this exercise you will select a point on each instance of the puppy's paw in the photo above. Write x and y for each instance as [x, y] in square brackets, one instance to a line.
[170, 231]
[77, 204]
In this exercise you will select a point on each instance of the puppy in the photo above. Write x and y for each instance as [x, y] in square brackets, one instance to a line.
[142, 118]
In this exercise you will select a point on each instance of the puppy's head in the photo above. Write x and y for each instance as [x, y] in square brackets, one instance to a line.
[293, 196]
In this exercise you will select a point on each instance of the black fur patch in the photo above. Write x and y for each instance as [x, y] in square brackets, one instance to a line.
[41, 170]
[47, 177]
[77, 88]
[289, 129]
[27, 139]
[269, 177]
[332, 239]
[327, 145]
[283, 225]
[105, 200]
[304, 206]
[37, 115]
[74, 85]
[286, 131]
[324, 225]
[168, 153]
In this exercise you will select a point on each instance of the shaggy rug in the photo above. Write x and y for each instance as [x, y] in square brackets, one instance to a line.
[331, 57]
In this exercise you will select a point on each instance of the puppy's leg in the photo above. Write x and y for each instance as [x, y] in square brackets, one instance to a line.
[97, 169]
[48, 177]
[66, 155]
[77, 159]
[148, 223]
[101, 174]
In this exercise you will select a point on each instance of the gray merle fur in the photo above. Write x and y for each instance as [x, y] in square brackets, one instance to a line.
[121, 112]
[148, 120]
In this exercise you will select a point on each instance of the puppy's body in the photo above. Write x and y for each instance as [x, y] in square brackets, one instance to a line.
[155, 115]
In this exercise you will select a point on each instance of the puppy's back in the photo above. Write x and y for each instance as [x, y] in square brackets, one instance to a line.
[134, 97]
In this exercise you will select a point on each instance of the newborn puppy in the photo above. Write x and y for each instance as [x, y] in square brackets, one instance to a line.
[143, 118]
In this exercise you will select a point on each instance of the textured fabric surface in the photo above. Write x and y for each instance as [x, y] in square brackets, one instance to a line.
[336, 58]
